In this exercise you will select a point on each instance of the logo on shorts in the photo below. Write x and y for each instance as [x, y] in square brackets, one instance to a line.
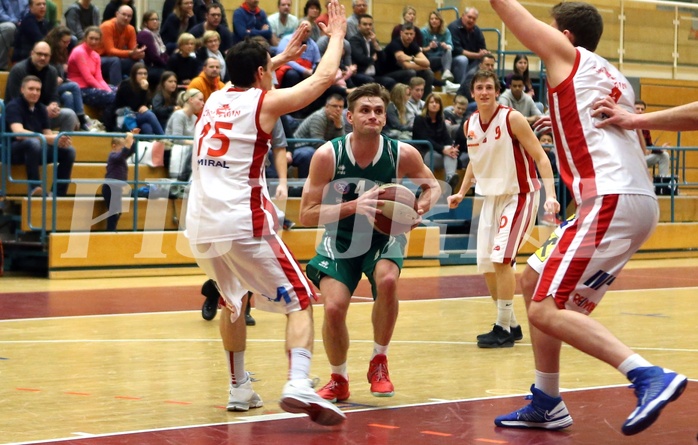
[496, 248]
[324, 264]
[341, 187]
[599, 279]
[584, 303]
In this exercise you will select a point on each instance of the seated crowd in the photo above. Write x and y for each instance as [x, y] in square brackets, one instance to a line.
[136, 78]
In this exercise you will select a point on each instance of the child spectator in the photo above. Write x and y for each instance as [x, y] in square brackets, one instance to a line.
[117, 174]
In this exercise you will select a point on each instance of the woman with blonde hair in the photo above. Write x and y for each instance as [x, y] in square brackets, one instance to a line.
[397, 125]
[438, 45]
[182, 123]
[431, 126]
[409, 15]
[184, 62]
[211, 44]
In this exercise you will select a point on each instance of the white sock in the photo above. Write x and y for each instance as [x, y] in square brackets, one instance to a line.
[299, 363]
[341, 370]
[548, 382]
[379, 349]
[512, 322]
[236, 366]
[633, 362]
[504, 310]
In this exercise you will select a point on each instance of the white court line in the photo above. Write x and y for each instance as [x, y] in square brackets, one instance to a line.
[283, 415]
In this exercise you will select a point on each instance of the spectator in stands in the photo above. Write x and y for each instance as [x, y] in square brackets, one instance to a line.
[69, 95]
[654, 155]
[295, 71]
[415, 104]
[250, 20]
[165, 98]
[184, 62]
[521, 68]
[431, 126]
[282, 23]
[80, 15]
[455, 115]
[26, 114]
[119, 47]
[33, 28]
[409, 15]
[438, 45]
[468, 48]
[182, 123]
[85, 69]
[117, 174]
[209, 79]
[155, 57]
[325, 124]
[515, 98]
[212, 22]
[397, 125]
[311, 12]
[360, 7]
[11, 12]
[404, 59]
[366, 53]
[181, 20]
[133, 93]
[38, 64]
[546, 141]
[201, 9]
[113, 6]
[211, 49]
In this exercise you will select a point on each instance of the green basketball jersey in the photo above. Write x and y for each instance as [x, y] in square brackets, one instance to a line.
[349, 181]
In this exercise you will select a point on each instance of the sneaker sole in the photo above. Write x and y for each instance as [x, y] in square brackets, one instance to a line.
[495, 345]
[241, 407]
[383, 394]
[323, 414]
[554, 425]
[677, 387]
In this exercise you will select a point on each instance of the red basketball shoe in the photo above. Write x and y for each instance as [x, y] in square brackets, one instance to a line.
[336, 390]
[379, 377]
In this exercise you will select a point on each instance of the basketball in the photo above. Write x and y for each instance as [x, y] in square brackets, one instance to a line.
[399, 210]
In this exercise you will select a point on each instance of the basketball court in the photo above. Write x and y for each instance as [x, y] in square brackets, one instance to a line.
[131, 361]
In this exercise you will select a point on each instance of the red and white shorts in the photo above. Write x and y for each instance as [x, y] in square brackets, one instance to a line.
[263, 265]
[505, 221]
[583, 257]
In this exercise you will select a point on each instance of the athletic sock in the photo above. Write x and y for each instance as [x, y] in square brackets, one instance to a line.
[299, 363]
[236, 367]
[341, 370]
[633, 362]
[512, 322]
[504, 311]
[548, 382]
[379, 349]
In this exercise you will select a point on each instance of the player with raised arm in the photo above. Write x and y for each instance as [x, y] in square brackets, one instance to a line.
[616, 212]
[341, 193]
[504, 153]
[231, 223]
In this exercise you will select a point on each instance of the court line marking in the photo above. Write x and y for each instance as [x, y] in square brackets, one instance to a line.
[286, 416]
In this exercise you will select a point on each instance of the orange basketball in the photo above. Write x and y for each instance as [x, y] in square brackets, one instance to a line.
[399, 210]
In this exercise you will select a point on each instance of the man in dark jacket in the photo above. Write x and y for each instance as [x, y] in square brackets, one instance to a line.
[367, 53]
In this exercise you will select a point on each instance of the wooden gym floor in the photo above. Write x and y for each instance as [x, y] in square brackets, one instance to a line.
[131, 361]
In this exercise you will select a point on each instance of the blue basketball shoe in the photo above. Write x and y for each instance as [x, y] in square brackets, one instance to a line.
[545, 412]
[654, 388]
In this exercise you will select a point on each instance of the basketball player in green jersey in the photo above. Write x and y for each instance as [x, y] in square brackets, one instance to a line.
[341, 193]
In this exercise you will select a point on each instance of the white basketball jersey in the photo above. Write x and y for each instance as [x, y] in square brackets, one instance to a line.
[228, 198]
[595, 161]
[500, 164]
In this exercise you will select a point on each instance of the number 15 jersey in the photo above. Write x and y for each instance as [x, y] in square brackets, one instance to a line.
[228, 198]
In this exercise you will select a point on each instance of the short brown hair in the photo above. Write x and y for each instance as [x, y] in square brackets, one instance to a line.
[368, 90]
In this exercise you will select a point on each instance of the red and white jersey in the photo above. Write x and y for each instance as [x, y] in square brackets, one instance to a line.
[228, 198]
[592, 161]
[500, 164]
